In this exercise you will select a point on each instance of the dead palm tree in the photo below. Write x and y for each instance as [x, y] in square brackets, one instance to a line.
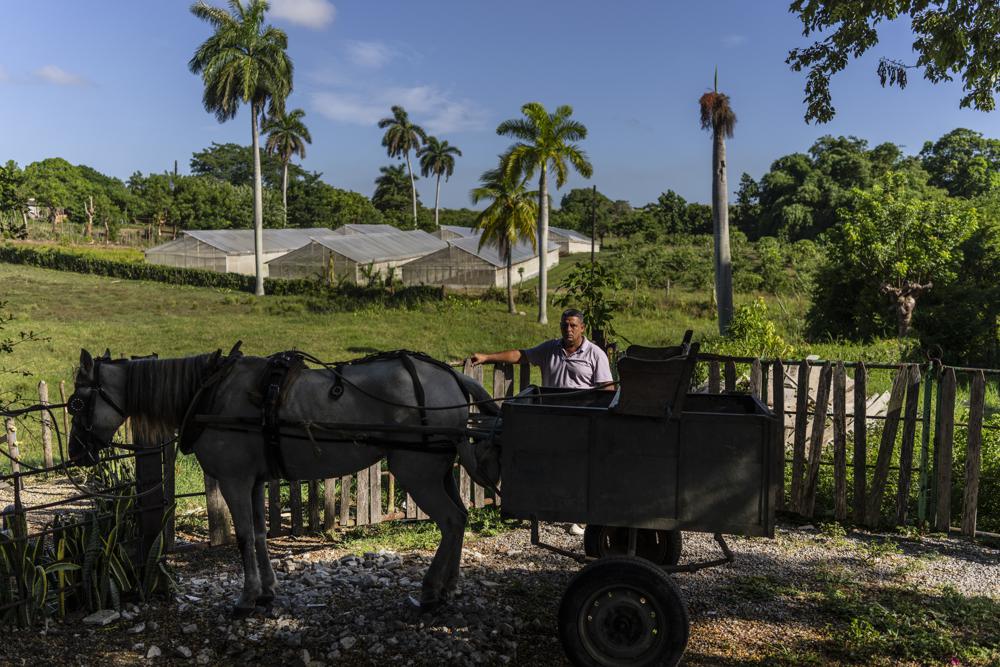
[718, 116]
[401, 137]
[287, 137]
[508, 219]
[438, 158]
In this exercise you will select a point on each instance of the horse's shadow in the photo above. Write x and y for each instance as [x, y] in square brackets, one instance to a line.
[362, 349]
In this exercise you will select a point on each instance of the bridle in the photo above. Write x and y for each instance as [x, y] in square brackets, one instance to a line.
[83, 407]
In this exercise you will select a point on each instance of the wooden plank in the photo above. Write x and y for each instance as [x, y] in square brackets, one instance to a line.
[411, 507]
[65, 412]
[46, 419]
[906, 447]
[479, 496]
[273, 508]
[973, 454]
[391, 494]
[818, 438]
[799, 443]
[503, 380]
[219, 520]
[148, 480]
[765, 385]
[873, 509]
[345, 501]
[840, 442]
[363, 498]
[714, 378]
[464, 486]
[329, 504]
[295, 505]
[778, 392]
[12, 448]
[730, 372]
[946, 427]
[860, 458]
[756, 379]
[313, 505]
[375, 492]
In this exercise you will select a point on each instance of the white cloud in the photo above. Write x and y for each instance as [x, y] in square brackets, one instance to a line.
[309, 13]
[428, 106]
[369, 54]
[732, 41]
[58, 76]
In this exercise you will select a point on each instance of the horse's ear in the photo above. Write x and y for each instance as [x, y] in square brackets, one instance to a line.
[86, 362]
[107, 353]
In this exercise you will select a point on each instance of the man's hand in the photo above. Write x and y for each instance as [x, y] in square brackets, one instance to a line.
[478, 358]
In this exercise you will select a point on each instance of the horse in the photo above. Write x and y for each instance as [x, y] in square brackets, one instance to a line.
[399, 391]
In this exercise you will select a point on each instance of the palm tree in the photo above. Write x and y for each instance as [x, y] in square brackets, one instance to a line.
[546, 141]
[391, 194]
[400, 138]
[287, 137]
[438, 158]
[718, 116]
[510, 217]
[244, 62]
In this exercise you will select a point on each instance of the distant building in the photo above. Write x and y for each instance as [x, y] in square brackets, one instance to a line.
[355, 257]
[571, 241]
[229, 250]
[464, 265]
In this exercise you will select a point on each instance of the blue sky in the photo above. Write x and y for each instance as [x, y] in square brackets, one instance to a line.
[106, 84]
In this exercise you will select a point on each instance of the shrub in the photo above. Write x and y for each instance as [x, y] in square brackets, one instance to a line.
[753, 334]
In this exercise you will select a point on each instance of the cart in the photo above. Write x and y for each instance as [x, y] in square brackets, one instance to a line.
[638, 466]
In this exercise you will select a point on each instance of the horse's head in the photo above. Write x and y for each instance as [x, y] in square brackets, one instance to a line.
[97, 406]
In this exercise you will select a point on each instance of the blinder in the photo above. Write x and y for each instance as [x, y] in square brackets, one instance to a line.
[83, 406]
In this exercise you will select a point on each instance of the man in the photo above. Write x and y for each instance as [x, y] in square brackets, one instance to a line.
[568, 362]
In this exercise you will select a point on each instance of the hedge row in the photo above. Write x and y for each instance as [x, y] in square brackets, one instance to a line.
[62, 260]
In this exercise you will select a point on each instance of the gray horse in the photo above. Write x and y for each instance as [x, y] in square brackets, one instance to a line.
[158, 395]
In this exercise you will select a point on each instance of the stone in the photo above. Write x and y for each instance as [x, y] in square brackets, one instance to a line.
[136, 629]
[184, 651]
[153, 652]
[347, 643]
[190, 628]
[102, 617]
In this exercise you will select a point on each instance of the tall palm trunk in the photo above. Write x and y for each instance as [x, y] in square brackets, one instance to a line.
[510, 280]
[413, 188]
[258, 208]
[437, 198]
[284, 194]
[543, 246]
[720, 224]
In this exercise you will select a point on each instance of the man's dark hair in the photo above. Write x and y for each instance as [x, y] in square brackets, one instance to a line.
[573, 312]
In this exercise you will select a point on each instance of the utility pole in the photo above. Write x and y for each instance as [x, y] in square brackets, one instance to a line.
[593, 223]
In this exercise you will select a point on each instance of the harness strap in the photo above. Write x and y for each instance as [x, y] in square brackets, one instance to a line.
[418, 389]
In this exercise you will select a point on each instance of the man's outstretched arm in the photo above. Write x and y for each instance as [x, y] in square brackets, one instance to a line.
[505, 357]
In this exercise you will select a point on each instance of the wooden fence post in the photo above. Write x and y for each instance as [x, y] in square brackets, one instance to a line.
[219, 520]
[778, 391]
[714, 377]
[840, 442]
[364, 498]
[946, 428]
[874, 509]
[12, 449]
[391, 493]
[329, 504]
[43, 399]
[295, 505]
[906, 447]
[148, 487]
[273, 508]
[503, 380]
[860, 458]
[925, 437]
[977, 398]
[799, 443]
[756, 380]
[730, 368]
[345, 501]
[313, 487]
[478, 493]
[818, 436]
[375, 492]
[65, 412]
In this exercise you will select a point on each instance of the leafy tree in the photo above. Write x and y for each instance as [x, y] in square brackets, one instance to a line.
[461, 217]
[545, 140]
[952, 37]
[12, 200]
[287, 137]
[963, 162]
[392, 193]
[718, 117]
[153, 197]
[57, 185]
[509, 217]
[402, 136]
[892, 242]
[244, 62]
[234, 164]
[438, 158]
[314, 203]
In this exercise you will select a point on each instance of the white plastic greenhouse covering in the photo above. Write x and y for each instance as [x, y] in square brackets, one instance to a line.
[571, 241]
[351, 229]
[463, 265]
[229, 250]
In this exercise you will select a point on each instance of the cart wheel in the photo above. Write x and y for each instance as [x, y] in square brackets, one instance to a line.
[662, 547]
[623, 610]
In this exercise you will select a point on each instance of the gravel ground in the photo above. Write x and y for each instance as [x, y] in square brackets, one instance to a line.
[339, 608]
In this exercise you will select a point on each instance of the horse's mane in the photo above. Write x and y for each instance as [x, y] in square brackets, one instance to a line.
[158, 394]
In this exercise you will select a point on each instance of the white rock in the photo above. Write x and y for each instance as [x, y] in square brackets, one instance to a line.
[347, 643]
[102, 617]
[136, 629]
[153, 652]
[183, 651]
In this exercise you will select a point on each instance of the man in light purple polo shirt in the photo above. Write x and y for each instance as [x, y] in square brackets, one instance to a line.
[568, 362]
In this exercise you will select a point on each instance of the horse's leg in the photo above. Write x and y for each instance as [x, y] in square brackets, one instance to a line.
[268, 582]
[237, 493]
[451, 488]
[422, 475]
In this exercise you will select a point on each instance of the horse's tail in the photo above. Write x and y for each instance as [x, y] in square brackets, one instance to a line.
[479, 395]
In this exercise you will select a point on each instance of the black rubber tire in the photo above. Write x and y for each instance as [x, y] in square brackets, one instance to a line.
[662, 547]
[623, 611]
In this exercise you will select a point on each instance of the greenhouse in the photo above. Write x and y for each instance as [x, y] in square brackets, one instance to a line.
[571, 241]
[229, 250]
[464, 265]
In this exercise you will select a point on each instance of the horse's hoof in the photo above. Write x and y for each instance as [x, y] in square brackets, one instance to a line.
[239, 613]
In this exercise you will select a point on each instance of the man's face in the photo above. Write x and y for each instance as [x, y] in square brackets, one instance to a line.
[572, 331]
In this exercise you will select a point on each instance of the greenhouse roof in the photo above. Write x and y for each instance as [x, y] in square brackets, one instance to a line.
[570, 234]
[352, 229]
[520, 252]
[240, 241]
[461, 231]
[364, 248]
